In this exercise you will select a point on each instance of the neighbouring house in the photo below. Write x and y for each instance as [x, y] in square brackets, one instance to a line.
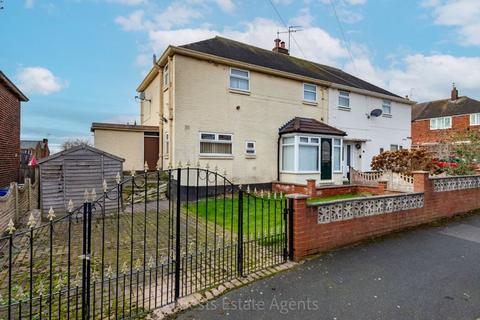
[10, 99]
[264, 115]
[65, 176]
[436, 121]
[30, 152]
[136, 144]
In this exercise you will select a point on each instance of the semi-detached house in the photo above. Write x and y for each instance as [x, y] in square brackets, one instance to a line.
[264, 115]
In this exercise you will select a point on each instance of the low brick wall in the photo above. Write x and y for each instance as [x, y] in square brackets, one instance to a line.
[338, 223]
[312, 190]
[17, 202]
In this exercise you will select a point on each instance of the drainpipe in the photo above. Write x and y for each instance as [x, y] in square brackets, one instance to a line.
[278, 157]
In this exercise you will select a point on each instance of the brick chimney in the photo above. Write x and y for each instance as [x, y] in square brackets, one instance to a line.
[280, 47]
[454, 94]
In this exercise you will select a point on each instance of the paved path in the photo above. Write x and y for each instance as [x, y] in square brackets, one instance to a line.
[428, 273]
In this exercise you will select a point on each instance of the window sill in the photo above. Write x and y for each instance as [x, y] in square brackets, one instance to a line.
[300, 172]
[247, 93]
[386, 115]
[218, 157]
[344, 108]
[310, 103]
[250, 156]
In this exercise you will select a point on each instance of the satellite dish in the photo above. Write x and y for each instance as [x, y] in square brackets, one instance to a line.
[376, 112]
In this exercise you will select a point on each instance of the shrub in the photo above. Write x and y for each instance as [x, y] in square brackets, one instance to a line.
[403, 161]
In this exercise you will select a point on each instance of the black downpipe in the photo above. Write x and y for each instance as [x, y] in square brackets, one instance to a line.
[278, 157]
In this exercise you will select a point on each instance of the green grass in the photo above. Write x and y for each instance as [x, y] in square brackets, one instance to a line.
[258, 214]
[337, 197]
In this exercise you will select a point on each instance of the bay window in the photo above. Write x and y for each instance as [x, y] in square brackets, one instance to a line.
[302, 153]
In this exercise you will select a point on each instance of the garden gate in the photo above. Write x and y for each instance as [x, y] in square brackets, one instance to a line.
[173, 232]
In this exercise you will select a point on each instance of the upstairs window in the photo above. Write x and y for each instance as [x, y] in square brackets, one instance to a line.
[166, 76]
[387, 107]
[239, 79]
[215, 144]
[475, 119]
[440, 123]
[309, 92]
[344, 99]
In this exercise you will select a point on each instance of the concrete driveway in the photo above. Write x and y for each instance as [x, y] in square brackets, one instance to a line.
[427, 273]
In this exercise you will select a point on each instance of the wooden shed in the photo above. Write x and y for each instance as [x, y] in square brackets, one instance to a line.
[67, 174]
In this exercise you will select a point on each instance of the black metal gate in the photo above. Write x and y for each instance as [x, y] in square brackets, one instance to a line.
[173, 232]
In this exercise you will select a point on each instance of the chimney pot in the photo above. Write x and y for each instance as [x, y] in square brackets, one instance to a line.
[454, 94]
[280, 47]
[277, 42]
[282, 44]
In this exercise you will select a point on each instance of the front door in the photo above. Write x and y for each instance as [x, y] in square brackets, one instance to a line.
[326, 160]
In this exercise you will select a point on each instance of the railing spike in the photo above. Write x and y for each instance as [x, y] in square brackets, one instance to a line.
[124, 268]
[248, 188]
[151, 264]
[225, 172]
[188, 163]
[215, 169]
[198, 164]
[159, 164]
[51, 214]
[93, 195]
[31, 221]
[86, 195]
[10, 227]
[255, 190]
[207, 166]
[70, 206]
[275, 195]
[179, 164]
[105, 186]
[109, 272]
[145, 166]
[132, 172]
[138, 265]
[240, 187]
[118, 178]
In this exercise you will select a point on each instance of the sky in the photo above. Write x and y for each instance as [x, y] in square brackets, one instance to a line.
[80, 61]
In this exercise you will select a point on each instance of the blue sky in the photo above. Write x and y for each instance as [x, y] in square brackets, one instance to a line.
[80, 61]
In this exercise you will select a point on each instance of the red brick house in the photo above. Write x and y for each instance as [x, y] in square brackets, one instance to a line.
[10, 98]
[435, 121]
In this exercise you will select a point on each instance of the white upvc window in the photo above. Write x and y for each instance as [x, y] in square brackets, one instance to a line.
[394, 147]
[166, 144]
[250, 148]
[440, 123]
[288, 153]
[387, 107]
[309, 92]
[308, 154]
[475, 119]
[240, 79]
[166, 76]
[344, 99]
[216, 144]
[337, 155]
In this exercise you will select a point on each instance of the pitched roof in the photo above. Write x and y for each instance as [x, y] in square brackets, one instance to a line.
[308, 125]
[239, 51]
[12, 87]
[444, 108]
[92, 149]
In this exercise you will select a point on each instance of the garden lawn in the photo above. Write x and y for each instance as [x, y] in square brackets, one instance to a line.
[258, 214]
[338, 197]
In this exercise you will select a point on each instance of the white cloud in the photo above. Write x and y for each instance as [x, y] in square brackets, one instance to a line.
[462, 14]
[129, 2]
[423, 77]
[29, 4]
[316, 43]
[226, 5]
[176, 14]
[39, 80]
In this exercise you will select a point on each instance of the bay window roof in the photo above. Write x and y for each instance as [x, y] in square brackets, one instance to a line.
[309, 125]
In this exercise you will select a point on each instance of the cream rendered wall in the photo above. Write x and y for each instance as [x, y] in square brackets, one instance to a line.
[125, 144]
[203, 102]
[150, 110]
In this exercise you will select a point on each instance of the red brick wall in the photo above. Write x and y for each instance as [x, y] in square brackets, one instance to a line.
[9, 136]
[325, 191]
[421, 132]
[309, 237]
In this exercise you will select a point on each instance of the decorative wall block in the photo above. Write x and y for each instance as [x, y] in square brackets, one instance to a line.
[455, 183]
[350, 209]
